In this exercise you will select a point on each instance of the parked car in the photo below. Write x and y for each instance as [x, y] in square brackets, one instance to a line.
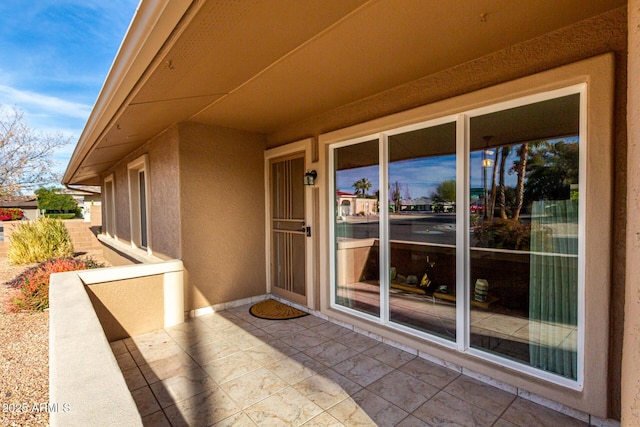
[476, 208]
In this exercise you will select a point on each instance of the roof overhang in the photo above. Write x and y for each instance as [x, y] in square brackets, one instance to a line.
[262, 65]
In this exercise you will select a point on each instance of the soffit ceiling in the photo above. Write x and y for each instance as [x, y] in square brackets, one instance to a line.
[261, 65]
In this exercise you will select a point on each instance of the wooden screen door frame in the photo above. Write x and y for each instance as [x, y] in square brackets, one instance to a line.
[293, 150]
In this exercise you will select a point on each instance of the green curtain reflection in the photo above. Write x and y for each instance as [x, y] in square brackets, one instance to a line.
[553, 292]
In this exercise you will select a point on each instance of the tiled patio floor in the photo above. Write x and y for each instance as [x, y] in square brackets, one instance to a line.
[230, 368]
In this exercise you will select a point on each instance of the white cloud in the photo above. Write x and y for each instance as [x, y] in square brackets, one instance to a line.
[51, 105]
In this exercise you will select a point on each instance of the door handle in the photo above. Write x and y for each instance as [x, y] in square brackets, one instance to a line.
[306, 230]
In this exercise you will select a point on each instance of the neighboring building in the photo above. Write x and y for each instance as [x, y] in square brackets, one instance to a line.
[350, 205]
[88, 199]
[213, 112]
[28, 204]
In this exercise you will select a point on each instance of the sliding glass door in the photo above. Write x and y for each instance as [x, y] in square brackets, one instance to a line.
[465, 231]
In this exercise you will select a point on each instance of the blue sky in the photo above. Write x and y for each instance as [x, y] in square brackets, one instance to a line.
[421, 176]
[54, 58]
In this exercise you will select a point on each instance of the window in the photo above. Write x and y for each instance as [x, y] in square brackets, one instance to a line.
[138, 197]
[109, 207]
[471, 237]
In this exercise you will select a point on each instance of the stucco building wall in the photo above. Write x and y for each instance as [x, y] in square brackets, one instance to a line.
[222, 210]
[630, 372]
[163, 200]
[591, 37]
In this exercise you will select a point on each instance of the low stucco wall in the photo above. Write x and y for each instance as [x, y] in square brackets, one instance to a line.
[82, 367]
[84, 377]
[129, 307]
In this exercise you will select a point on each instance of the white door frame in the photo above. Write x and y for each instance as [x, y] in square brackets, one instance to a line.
[303, 146]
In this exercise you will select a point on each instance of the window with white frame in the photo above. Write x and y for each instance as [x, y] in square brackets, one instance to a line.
[476, 241]
[109, 207]
[138, 202]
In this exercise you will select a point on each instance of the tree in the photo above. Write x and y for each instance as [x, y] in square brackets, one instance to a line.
[446, 191]
[362, 186]
[520, 167]
[25, 154]
[50, 199]
[552, 168]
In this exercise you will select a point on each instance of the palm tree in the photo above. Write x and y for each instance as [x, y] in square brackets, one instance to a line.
[504, 153]
[520, 168]
[362, 186]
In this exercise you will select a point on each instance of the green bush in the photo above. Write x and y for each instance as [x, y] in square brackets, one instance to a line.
[38, 241]
[503, 234]
[34, 282]
[61, 215]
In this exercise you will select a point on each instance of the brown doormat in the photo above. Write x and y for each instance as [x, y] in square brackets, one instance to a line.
[274, 310]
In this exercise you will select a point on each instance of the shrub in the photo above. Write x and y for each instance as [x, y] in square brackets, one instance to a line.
[503, 234]
[34, 282]
[38, 241]
[60, 215]
[11, 214]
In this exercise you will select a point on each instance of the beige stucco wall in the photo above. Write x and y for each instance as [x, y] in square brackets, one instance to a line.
[164, 202]
[630, 371]
[222, 210]
[129, 307]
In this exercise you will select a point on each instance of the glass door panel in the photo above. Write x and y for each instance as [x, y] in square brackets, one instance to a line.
[422, 229]
[524, 173]
[357, 227]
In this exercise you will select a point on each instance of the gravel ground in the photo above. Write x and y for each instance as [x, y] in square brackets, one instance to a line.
[24, 357]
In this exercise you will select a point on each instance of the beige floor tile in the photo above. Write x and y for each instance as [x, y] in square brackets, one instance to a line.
[327, 389]
[482, 395]
[228, 368]
[503, 423]
[502, 324]
[331, 353]
[118, 347]
[283, 328]
[412, 421]
[176, 389]
[429, 372]
[357, 341]
[323, 420]
[157, 419]
[269, 352]
[331, 330]
[403, 390]
[349, 413]
[155, 352]
[134, 378]
[125, 361]
[253, 387]
[543, 333]
[362, 369]
[444, 409]
[145, 401]
[310, 321]
[236, 420]
[304, 339]
[172, 366]
[256, 337]
[208, 352]
[390, 355]
[296, 368]
[191, 334]
[202, 409]
[288, 407]
[523, 412]
[379, 409]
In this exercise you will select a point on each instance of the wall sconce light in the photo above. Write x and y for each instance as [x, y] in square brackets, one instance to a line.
[310, 177]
